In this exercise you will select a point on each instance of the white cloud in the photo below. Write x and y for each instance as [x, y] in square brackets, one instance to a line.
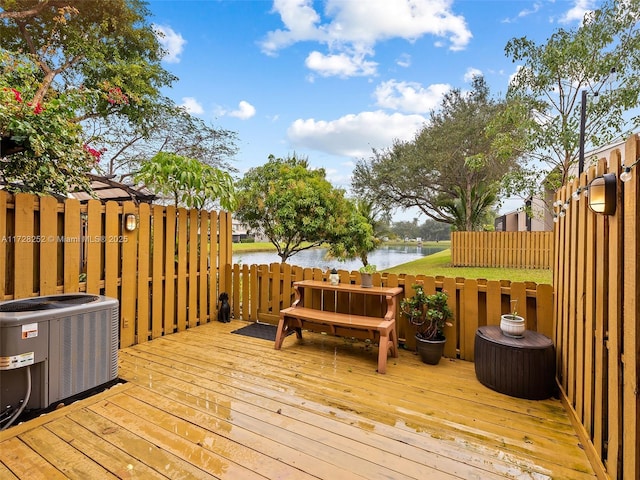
[404, 60]
[410, 96]
[351, 28]
[524, 13]
[300, 20]
[245, 111]
[341, 65]
[470, 73]
[191, 105]
[171, 42]
[576, 13]
[354, 135]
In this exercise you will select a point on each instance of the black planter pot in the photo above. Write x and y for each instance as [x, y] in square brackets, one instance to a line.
[430, 351]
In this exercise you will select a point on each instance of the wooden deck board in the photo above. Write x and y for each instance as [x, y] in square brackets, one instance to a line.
[206, 403]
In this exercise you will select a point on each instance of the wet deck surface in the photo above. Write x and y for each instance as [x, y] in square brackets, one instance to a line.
[206, 403]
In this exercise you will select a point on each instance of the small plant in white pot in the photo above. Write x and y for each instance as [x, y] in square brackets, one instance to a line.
[366, 275]
[430, 314]
[512, 324]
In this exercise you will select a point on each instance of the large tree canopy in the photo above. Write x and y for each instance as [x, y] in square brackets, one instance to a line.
[451, 170]
[297, 208]
[545, 95]
[166, 128]
[81, 79]
[108, 47]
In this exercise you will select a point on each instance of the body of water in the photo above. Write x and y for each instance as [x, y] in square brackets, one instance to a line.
[384, 257]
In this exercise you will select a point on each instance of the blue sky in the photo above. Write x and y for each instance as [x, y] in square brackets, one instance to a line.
[330, 80]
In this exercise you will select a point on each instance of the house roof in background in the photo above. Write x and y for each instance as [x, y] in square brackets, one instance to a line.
[107, 189]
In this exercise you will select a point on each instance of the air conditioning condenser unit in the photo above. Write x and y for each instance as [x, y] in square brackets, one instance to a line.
[55, 347]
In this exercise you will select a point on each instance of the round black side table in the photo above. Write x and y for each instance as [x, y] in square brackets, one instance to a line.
[520, 367]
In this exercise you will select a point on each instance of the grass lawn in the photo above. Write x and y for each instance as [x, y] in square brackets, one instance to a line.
[439, 264]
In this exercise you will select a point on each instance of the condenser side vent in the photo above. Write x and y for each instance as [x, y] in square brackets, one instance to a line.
[82, 355]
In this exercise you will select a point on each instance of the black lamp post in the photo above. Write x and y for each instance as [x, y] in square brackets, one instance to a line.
[583, 122]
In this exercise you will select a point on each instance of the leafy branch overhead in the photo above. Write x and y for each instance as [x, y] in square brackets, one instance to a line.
[187, 181]
[600, 57]
[81, 90]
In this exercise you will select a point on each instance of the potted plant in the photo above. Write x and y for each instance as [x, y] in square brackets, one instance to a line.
[366, 275]
[512, 324]
[430, 314]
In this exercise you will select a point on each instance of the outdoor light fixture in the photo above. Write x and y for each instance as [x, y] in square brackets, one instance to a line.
[602, 194]
[626, 174]
[130, 222]
[576, 195]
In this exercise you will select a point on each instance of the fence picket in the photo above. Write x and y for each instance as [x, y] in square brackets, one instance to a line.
[192, 266]
[23, 246]
[143, 321]
[94, 246]
[48, 246]
[72, 244]
[158, 225]
[502, 249]
[128, 243]
[4, 241]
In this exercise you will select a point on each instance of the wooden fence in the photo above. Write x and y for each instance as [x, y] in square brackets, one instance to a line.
[258, 292]
[167, 278]
[597, 307]
[502, 249]
[164, 273]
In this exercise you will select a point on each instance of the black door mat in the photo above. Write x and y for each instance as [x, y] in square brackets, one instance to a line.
[264, 331]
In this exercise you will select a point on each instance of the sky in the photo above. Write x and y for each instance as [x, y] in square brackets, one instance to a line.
[332, 80]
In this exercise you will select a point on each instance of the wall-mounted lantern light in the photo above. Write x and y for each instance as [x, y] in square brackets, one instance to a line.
[602, 194]
[130, 222]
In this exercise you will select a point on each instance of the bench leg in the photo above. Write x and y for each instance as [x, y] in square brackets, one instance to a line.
[393, 343]
[383, 350]
[281, 332]
[284, 325]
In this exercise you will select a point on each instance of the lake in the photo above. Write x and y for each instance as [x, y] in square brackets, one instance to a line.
[384, 257]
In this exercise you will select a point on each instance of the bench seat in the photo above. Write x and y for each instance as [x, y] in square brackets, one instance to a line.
[380, 330]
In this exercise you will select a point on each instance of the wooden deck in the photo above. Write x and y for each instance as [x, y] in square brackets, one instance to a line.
[206, 403]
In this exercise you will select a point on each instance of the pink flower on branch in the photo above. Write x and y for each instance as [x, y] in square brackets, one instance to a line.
[17, 95]
[93, 152]
[37, 109]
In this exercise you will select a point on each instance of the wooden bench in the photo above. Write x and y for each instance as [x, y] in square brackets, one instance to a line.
[380, 330]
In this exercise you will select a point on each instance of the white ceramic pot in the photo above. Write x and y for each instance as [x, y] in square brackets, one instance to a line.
[512, 325]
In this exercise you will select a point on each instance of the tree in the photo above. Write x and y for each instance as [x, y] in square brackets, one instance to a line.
[71, 61]
[454, 158]
[356, 237]
[432, 230]
[165, 128]
[41, 146]
[187, 181]
[482, 199]
[297, 208]
[89, 46]
[359, 240]
[545, 94]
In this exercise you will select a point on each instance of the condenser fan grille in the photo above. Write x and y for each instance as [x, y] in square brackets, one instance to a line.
[34, 304]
